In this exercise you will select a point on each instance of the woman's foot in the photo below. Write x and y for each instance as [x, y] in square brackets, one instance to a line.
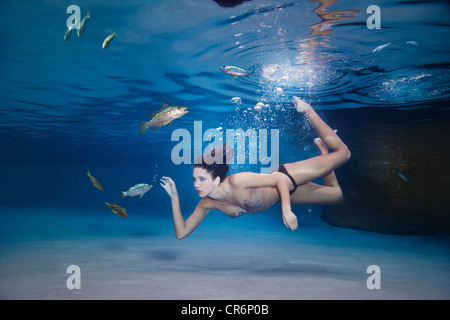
[301, 105]
[321, 145]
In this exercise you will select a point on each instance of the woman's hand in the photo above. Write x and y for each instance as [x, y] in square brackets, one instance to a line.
[290, 220]
[169, 186]
[301, 105]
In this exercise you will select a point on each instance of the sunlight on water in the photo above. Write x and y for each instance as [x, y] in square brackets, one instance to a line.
[288, 76]
[402, 89]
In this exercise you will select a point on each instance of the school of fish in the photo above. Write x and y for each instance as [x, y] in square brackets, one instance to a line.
[137, 190]
[82, 28]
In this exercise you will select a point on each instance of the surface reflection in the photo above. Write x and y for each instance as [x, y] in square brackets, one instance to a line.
[310, 58]
[323, 28]
[229, 3]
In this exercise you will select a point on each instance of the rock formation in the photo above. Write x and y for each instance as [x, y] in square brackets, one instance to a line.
[413, 200]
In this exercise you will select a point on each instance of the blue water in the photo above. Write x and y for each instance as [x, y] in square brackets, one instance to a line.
[68, 107]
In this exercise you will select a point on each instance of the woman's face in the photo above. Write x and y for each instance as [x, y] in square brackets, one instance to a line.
[203, 182]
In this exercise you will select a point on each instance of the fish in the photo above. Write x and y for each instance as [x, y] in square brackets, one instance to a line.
[108, 40]
[69, 30]
[414, 43]
[381, 47]
[118, 210]
[138, 189]
[235, 71]
[82, 28]
[403, 175]
[95, 182]
[162, 117]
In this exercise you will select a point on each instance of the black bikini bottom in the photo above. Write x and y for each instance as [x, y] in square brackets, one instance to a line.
[282, 169]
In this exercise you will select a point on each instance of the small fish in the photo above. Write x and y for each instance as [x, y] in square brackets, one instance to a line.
[69, 30]
[108, 40]
[95, 182]
[381, 47]
[414, 43]
[118, 210]
[235, 71]
[139, 189]
[162, 117]
[403, 175]
[82, 29]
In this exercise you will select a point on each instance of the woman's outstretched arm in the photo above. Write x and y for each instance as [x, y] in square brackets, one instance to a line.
[183, 228]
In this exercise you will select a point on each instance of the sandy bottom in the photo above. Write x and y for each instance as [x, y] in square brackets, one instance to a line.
[236, 261]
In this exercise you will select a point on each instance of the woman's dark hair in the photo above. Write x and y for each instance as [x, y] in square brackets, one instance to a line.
[215, 168]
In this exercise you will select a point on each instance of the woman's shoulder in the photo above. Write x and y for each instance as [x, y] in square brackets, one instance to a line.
[237, 179]
[207, 203]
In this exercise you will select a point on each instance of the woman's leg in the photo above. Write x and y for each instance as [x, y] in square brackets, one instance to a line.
[322, 165]
[311, 193]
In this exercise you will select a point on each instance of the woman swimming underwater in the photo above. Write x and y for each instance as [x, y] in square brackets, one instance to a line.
[251, 192]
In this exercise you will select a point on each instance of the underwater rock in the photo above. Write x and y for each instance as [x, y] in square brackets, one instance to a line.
[383, 142]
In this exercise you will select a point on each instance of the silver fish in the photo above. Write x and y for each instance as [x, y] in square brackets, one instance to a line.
[69, 30]
[162, 117]
[139, 189]
[381, 47]
[403, 175]
[235, 71]
[82, 29]
[108, 40]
